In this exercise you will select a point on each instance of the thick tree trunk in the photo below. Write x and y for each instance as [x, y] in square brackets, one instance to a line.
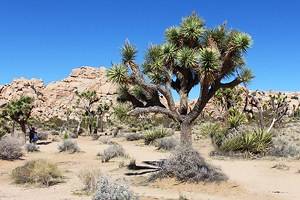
[183, 107]
[23, 128]
[101, 123]
[186, 134]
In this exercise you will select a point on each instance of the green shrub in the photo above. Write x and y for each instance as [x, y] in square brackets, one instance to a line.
[37, 172]
[151, 135]
[250, 141]
[236, 118]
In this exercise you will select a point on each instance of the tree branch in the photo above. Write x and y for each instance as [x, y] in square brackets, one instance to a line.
[231, 84]
[156, 109]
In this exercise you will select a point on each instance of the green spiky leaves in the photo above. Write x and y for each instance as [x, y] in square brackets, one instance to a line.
[187, 57]
[172, 35]
[128, 52]
[243, 41]
[209, 59]
[118, 74]
[246, 75]
[191, 27]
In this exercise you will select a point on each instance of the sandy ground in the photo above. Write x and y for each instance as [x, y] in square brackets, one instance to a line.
[248, 179]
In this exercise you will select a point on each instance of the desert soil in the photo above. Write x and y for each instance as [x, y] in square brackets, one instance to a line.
[248, 179]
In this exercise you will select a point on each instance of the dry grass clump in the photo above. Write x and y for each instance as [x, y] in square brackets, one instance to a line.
[134, 136]
[111, 152]
[281, 166]
[37, 172]
[89, 178]
[69, 145]
[167, 143]
[10, 148]
[112, 190]
[187, 165]
[106, 140]
[31, 147]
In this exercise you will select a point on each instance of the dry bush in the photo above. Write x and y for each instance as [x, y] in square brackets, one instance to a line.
[37, 172]
[42, 136]
[106, 140]
[167, 143]
[282, 147]
[10, 148]
[111, 152]
[89, 178]
[31, 147]
[112, 190]
[134, 136]
[187, 165]
[68, 145]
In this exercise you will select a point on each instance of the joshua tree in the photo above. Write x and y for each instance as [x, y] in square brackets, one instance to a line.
[191, 55]
[88, 99]
[102, 108]
[19, 111]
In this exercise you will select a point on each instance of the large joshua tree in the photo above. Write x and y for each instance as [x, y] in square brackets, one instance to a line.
[192, 54]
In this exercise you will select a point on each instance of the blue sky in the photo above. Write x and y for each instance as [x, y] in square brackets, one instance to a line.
[47, 38]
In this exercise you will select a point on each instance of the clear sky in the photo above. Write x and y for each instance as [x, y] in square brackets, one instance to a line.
[47, 38]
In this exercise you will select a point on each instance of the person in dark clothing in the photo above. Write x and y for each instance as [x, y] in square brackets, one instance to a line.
[32, 135]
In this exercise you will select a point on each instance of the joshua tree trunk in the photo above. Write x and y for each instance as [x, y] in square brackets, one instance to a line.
[13, 128]
[78, 127]
[23, 128]
[101, 123]
[186, 133]
[183, 108]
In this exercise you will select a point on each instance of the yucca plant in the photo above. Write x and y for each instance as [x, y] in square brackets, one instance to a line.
[256, 142]
[153, 134]
[236, 118]
[191, 55]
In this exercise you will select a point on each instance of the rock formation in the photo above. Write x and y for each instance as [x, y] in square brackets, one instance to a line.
[54, 99]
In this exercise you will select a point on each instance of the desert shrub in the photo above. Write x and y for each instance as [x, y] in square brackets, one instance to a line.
[106, 140]
[235, 118]
[134, 136]
[68, 145]
[208, 129]
[10, 148]
[167, 143]
[256, 141]
[151, 135]
[37, 172]
[112, 151]
[283, 148]
[187, 165]
[42, 136]
[89, 178]
[112, 190]
[31, 147]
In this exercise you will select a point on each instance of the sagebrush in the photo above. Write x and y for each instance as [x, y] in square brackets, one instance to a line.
[108, 189]
[111, 152]
[10, 148]
[69, 145]
[37, 172]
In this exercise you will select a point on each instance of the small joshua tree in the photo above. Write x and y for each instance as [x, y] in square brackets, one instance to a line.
[88, 99]
[192, 55]
[19, 111]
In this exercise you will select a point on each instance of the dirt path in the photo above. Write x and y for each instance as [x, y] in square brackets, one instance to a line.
[249, 179]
